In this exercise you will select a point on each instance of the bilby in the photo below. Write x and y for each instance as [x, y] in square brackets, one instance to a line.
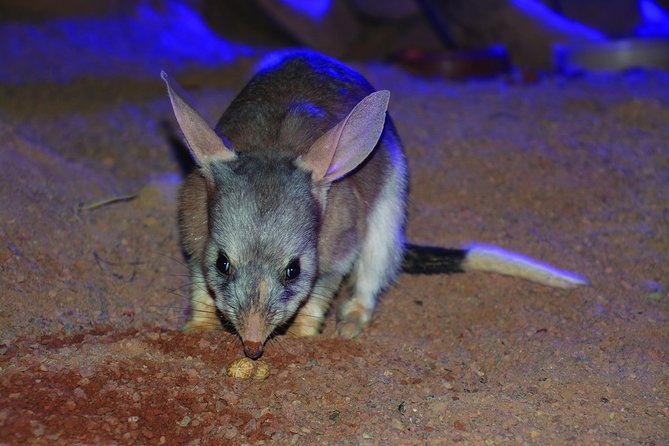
[301, 186]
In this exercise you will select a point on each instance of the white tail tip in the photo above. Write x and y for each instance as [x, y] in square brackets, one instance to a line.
[497, 260]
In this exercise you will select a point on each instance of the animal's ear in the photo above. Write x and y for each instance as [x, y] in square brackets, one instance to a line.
[205, 145]
[350, 142]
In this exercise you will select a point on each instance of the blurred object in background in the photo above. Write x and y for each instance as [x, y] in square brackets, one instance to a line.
[646, 45]
[613, 55]
[614, 18]
[528, 29]
[655, 18]
[328, 26]
[376, 28]
[457, 65]
[242, 21]
[133, 43]
[450, 38]
[388, 9]
[33, 10]
[355, 29]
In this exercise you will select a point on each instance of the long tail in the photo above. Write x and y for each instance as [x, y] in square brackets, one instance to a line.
[432, 260]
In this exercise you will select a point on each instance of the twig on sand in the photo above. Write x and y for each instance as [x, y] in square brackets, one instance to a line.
[106, 201]
[101, 203]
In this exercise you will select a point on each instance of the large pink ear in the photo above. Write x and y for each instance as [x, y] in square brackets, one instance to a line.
[205, 145]
[350, 142]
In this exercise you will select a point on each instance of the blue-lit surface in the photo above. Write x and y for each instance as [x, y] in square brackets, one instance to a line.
[315, 9]
[556, 22]
[276, 58]
[655, 19]
[171, 37]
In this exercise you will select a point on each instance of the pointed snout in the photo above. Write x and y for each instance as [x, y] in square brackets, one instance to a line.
[253, 334]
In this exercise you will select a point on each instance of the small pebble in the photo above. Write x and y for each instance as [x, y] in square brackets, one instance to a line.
[230, 432]
[147, 433]
[185, 421]
[80, 393]
[192, 376]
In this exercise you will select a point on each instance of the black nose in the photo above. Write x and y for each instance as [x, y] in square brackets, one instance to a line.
[253, 349]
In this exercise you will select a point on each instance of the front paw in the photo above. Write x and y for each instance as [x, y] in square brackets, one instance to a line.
[302, 328]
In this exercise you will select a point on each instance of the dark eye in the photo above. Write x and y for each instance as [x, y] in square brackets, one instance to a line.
[223, 264]
[293, 270]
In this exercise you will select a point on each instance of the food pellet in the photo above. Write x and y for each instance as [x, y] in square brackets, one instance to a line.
[245, 368]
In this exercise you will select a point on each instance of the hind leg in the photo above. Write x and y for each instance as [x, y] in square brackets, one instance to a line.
[370, 277]
[379, 260]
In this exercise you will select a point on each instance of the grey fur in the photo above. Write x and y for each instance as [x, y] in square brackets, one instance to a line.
[262, 216]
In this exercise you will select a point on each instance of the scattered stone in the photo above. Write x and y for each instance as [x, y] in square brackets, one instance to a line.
[185, 421]
[230, 397]
[192, 376]
[80, 393]
[230, 432]
[147, 433]
[397, 424]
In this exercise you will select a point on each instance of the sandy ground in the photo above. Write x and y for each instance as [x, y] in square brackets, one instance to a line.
[572, 171]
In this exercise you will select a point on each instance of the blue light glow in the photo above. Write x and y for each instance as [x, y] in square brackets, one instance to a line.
[556, 22]
[138, 45]
[651, 11]
[317, 62]
[315, 9]
[655, 20]
[272, 60]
